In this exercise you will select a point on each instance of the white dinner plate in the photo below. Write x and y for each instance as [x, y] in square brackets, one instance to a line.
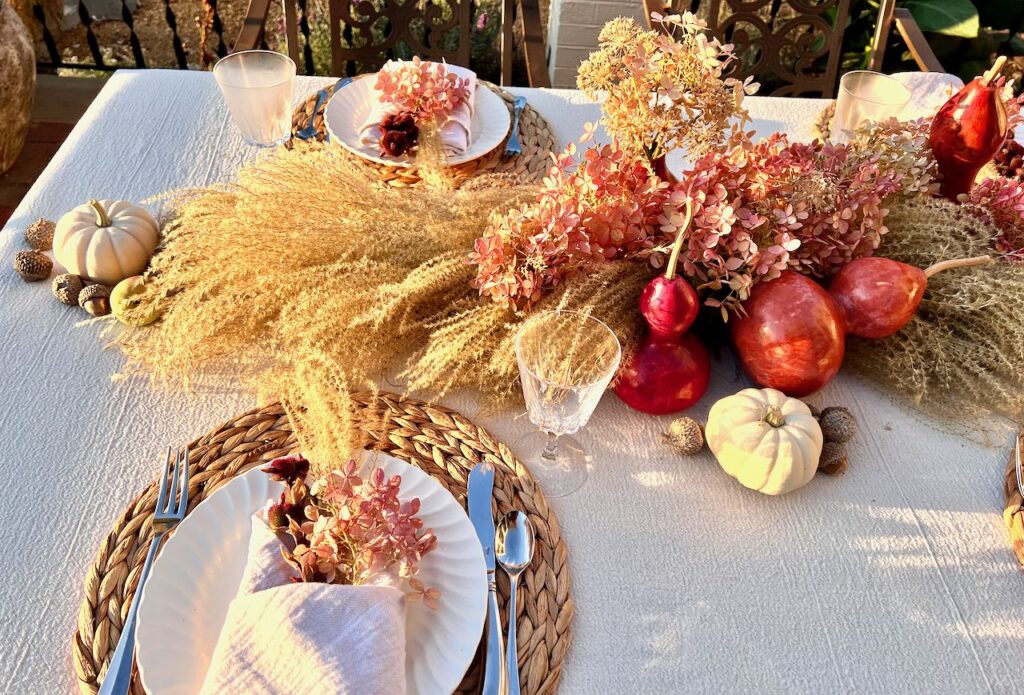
[349, 107]
[195, 577]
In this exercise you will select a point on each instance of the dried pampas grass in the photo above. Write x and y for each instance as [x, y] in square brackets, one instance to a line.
[314, 280]
[961, 357]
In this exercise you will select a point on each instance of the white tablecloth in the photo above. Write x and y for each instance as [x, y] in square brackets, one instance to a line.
[896, 577]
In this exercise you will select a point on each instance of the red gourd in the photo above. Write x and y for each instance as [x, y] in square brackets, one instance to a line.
[968, 131]
[878, 296]
[670, 369]
[665, 376]
[791, 336]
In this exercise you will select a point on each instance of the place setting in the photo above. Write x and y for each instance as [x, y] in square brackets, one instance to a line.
[709, 295]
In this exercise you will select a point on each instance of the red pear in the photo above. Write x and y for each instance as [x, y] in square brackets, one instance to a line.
[669, 303]
[663, 377]
[968, 131]
[791, 337]
[878, 296]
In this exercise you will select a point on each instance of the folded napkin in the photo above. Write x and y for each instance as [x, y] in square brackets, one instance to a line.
[282, 637]
[456, 132]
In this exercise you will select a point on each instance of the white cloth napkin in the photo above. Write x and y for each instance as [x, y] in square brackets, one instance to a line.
[282, 637]
[457, 131]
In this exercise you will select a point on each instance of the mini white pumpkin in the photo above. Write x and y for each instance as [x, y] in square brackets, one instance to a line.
[105, 240]
[766, 440]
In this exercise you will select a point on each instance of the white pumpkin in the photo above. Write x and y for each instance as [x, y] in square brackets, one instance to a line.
[105, 240]
[766, 440]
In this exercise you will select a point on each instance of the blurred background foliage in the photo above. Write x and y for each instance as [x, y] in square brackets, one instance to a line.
[966, 36]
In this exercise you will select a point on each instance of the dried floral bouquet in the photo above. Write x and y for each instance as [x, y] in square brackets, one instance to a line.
[343, 529]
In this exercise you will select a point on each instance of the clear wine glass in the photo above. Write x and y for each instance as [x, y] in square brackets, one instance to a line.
[566, 361]
[866, 96]
[257, 86]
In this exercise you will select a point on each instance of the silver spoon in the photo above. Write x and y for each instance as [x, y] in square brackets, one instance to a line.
[513, 548]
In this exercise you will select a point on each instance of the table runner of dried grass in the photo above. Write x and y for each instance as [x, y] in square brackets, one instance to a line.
[436, 439]
[532, 165]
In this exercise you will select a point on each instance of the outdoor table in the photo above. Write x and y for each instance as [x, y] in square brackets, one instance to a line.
[895, 577]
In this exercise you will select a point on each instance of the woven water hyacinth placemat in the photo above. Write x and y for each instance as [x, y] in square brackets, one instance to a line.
[535, 138]
[1013, 510]
[438, 440]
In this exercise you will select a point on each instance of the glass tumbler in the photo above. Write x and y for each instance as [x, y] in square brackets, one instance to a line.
[257, 86]
[864, 97]
[566, 361]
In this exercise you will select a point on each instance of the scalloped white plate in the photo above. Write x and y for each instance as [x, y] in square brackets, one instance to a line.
[349, 107]
[197, 573]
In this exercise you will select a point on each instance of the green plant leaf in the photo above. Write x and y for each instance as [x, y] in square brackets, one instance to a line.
[951, 17]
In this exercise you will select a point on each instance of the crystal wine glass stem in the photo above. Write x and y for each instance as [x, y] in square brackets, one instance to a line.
[550, 452]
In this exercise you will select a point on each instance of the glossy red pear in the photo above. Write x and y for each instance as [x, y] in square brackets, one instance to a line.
[878, 296]
[665, 376]
[968, 131]
[669, 303]
[792, 336]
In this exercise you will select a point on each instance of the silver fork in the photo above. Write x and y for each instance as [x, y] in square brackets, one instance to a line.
[171, 504]
[513, 148]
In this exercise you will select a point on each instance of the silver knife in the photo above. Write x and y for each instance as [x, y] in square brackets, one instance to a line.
[481, 484]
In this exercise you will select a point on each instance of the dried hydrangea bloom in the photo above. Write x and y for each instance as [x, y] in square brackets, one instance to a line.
[661, 90]
[604, 208]
[348, 530]
[1002, 200]
[423, 88]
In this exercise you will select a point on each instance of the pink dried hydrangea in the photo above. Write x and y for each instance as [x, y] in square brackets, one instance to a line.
[1003, 200]
[348, 530]
[602, 209]
[423, 88]
[760, 208]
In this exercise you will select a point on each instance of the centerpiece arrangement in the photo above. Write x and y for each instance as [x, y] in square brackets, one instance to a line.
[339, 286]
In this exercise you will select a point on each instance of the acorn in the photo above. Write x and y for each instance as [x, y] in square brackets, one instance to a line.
[685, 435]
[815, 411]
[833, 459]
[66, 288]
[33, 266]
[838, 424]
[95, 299]
[39, 234]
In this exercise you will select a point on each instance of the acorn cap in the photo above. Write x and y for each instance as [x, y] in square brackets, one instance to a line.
[838, 424]
[95, 299]
[67, 287]
[833, 459]
[685, 435]
[33, 266]
[39, 234]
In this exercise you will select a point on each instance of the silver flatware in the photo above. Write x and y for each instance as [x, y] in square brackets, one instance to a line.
[512, 147]
[1018, 445]
[171, 505]
[309, 132]
[513, 546]
[480, 487]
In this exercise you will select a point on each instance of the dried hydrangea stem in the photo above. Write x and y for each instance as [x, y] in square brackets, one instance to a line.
[957, 263]
[677, 245]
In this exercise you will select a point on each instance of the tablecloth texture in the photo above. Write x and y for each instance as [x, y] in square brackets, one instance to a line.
[893, 578]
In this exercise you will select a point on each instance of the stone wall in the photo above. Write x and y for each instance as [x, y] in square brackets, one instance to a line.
[573, 26]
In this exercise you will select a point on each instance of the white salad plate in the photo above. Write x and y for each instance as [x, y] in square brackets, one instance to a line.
[349, 107]
[196, 576]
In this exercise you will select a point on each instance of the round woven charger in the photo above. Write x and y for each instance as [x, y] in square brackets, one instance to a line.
[1013, 511]
[532, 165]
[436, 439]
